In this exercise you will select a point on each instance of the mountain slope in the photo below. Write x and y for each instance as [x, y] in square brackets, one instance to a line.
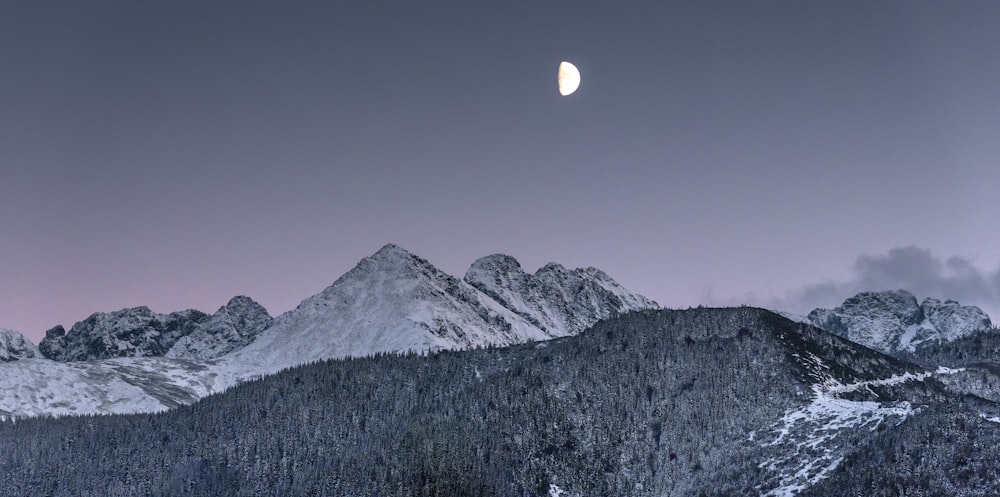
[947, 449]
[667, 403]
[43, 387]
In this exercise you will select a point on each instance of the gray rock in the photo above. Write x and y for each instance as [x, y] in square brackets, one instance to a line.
[560, 301]
[893, 322]
[234, 325]
[14, 346]
[133, 332]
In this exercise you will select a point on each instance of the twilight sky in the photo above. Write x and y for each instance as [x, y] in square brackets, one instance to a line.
[175, 154]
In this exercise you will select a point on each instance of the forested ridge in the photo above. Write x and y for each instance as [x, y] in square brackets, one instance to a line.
[649, 403]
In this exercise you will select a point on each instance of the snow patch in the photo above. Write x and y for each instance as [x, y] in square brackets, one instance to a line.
[812, 437]
[991, 419]
[556, 491]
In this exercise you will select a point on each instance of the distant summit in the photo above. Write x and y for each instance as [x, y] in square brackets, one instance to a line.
[140, 332]
[557, 300]
[231, 327]
[133, 332]
[893, 322]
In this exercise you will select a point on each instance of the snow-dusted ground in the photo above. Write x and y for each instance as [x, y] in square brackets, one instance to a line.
[37, 387]
[811, 437]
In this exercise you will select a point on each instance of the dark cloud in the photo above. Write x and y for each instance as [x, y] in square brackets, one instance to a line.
[911, 268]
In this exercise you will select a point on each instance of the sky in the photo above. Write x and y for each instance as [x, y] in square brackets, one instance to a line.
[177, 153]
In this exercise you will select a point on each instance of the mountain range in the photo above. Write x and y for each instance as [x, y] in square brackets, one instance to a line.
[399, 379]
[135, 360]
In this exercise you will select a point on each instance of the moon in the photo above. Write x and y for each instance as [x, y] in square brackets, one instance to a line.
[569, 78]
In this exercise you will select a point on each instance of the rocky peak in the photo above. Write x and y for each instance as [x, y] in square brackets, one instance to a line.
[391, 261]
[394, 255]
[245, 310]
[560, 301]
[14, 346]
[954, 320]
[551, 267]
[132, 332]
[892, 321]
[55, 332]
[234, 325]
[499, 264]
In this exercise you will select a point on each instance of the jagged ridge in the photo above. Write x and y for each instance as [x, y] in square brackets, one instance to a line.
[231, 327]
[392, 301]
[133, 332]
[892, 322]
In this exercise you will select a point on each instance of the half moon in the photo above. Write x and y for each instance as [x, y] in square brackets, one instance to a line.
[569, 78]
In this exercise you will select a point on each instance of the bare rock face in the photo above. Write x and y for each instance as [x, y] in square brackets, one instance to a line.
[893, 322]
[14, 346]
[133, 332]
[954, 320]
[231, 327]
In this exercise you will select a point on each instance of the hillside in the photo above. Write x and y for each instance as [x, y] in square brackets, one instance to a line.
[705, 401]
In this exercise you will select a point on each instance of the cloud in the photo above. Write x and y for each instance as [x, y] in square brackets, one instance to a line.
[911, 268]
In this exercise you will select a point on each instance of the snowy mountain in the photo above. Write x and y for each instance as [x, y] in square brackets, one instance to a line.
[392, 301]
[14, 346]
[556, 300]
[134, 332]
[231, 327]
[395, 301]
[893, 322]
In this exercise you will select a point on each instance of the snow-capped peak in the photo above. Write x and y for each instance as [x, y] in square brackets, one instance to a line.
[954, 320]
[560, 301]
[892, 321]
[392, 251]
[231, 327]
[394, 301]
